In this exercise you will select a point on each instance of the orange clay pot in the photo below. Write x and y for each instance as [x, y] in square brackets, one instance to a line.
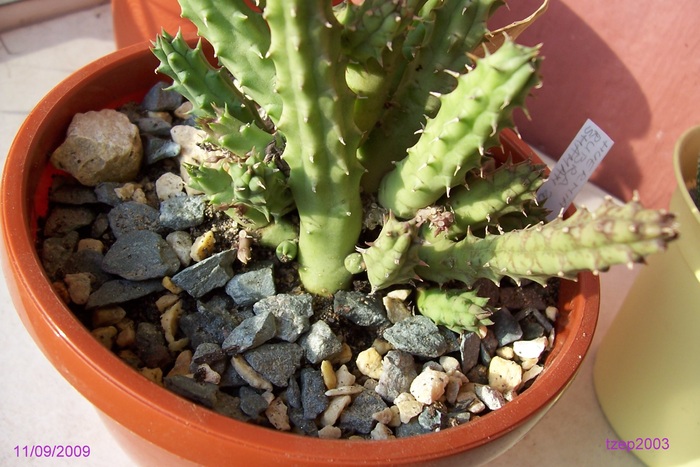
[157, 426]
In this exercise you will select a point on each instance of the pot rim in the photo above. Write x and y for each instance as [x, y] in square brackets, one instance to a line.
[25, 266]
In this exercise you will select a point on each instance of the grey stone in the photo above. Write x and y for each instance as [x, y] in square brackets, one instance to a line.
[398, 371]
[201, 392]
[293, 394]
[505, 327]
[121, 290]
[214, 321]
[229, 406]
[104, 192]
[64, 219]
[252, 403]
[141, 255]
[156, 149]
[207, 275]
[320, 342]
[182, 212]
[158, 98]
[292, 313]
[357, 417]
[489, 344]
[151, 346]
[313, 398]
[207, 352]
[100, 147]
[56, 252]
[65, 192]
[88, 261]
[360, 308]
[131, 216]
[489, 396]
[432, 419]
[275, 362]
[231, 379]
[251, 333]
[303, 424]
[100, 225]
[251, 286]
[154, 126]
[470, 345]
[417, 335]
[412, 428]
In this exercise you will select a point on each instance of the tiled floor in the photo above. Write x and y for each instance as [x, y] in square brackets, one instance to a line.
[37, 406]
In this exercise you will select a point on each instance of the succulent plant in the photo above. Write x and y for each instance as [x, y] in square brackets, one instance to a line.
[389, 103]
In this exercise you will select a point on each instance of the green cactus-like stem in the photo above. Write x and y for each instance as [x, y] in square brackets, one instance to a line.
[241, 40]
[445, 33]
[206, 87]
[467, 124]
[321, 138]
[485, 199]
[587, 241]
[392, 258]
[458, 309]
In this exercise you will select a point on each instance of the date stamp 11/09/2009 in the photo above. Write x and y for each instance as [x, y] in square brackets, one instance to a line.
[638, 444]
[52, 450]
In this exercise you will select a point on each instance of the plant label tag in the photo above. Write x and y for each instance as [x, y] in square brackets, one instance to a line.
[574, 168]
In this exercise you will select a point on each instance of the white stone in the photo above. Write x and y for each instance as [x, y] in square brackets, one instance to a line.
[492, 398]
[334, 409]
[429, 385]
[181, 243]
[381, 431]
[329, 432]
[450, 364]
[532, 373]
[169, 186]
[530, 349]
[344, 377]
[504, 375]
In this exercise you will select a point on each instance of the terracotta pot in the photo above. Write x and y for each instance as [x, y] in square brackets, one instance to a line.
[151, 421]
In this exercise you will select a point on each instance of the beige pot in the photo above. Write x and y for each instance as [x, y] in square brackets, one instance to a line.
[647, 371]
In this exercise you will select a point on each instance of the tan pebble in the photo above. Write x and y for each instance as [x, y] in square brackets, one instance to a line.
[527, 363]
[476, 407]
[381, 431]
[329, 378]
[153, 374]
[165, 116]
[245, 243]
[334, 409]
[383, 416]
[532, 373]
[369, 362]
[530, 349]
[79, 286]
[182, 363]
[178, 345]
[181, 243]
[400, 294]
[184, 110]
[510, 395]
[127, 333]
[170, 321]
[250, 376]
[203, 246]
[452, 389]
[139, 196]
[170, 285]
[382, 346]
[208, 375]
[449, 364]
[345, 390]
[504, 375]
[551, 312]
[276, 413]
[505, 352]
[550, 339]
[342, 357]
[344, 377]
[429, 385]
[409, 409]
[329, 432]
[396, 310]
[91, 244]
[395, 417]
[166, 301]
[268, 396]
[106, 316]
[105, 335]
